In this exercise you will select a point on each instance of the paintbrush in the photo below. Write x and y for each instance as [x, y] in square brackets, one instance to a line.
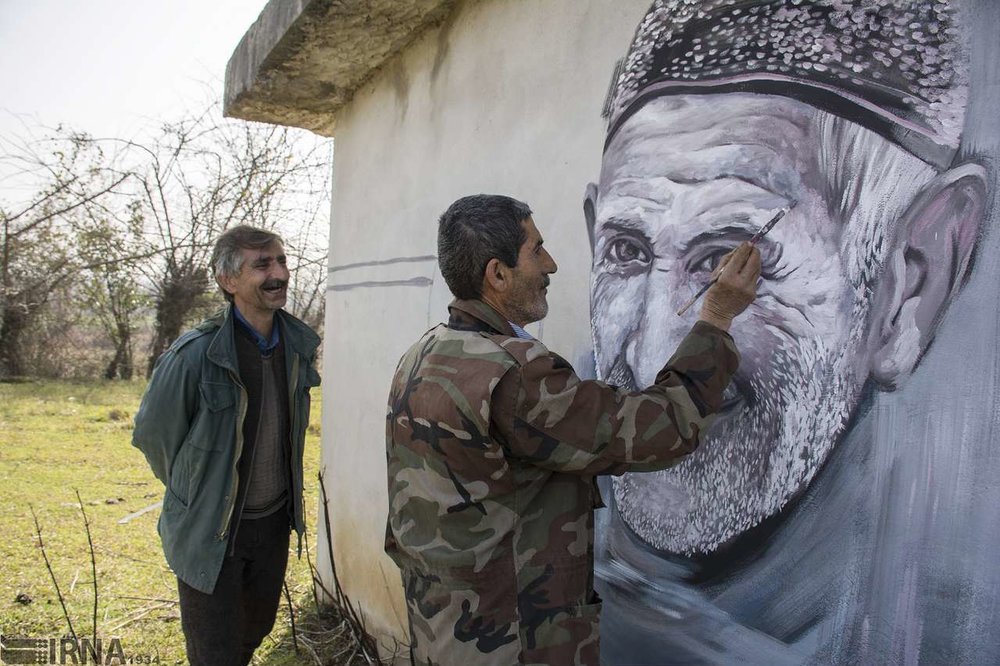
[753, 240]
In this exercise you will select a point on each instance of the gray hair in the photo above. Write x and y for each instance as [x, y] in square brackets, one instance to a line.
[474, 230]
[227, 256]
[869, 183]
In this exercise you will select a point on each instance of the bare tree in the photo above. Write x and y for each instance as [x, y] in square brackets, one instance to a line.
[130, 225]
[203, 175]
[111, 253]
[72, 179]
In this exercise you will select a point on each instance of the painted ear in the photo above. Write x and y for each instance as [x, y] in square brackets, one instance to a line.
[926, 269]
[590, 212]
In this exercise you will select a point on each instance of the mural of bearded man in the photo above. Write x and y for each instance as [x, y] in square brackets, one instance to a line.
[810, 525]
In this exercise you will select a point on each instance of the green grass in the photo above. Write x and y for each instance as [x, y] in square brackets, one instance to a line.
[57, 438]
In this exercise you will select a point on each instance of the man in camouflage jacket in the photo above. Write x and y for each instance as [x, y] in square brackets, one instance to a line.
[493, 445]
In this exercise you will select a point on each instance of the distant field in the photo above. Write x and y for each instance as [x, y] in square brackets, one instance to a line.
[59, 437]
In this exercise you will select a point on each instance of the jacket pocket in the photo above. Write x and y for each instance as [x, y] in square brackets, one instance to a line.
[217, 396]
[213, 428]
[173, 502]
[311, 377]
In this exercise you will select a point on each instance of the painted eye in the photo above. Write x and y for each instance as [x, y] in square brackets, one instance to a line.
[629, 253]
[710, 260]
[771, 267]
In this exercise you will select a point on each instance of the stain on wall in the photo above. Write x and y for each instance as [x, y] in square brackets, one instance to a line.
[834, 512]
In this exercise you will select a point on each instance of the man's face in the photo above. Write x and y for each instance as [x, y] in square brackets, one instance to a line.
[685, 180]
[261, 288]
[526, 301]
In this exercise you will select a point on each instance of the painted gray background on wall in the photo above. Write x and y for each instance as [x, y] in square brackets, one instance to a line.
[888, 555]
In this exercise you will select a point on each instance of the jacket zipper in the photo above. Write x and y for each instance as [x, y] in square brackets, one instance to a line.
[231, 502]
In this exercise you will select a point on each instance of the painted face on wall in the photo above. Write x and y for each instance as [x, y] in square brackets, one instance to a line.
[684, 180]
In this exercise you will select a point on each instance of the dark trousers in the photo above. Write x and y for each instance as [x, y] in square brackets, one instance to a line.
[225, 627]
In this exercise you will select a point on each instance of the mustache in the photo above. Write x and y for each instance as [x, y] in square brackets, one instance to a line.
[275, 283]
[741, 385]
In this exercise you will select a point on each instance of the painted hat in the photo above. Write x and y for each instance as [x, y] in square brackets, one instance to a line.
[896, 67]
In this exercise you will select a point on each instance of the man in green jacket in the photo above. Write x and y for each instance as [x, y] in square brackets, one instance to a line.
[493, 445]
[222, 424]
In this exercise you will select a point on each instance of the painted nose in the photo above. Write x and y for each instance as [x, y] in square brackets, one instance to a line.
[659, 331]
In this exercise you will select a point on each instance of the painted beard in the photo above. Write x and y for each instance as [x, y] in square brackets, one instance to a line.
[778, 426]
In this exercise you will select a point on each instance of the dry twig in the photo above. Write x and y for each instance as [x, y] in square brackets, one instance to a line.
[291, 617]
[356, 624]
[93, 561]
[52, 574]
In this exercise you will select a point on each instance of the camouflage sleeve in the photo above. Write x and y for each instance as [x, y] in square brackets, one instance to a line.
[549, 417]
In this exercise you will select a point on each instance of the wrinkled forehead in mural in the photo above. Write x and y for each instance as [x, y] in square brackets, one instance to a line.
[722, 113]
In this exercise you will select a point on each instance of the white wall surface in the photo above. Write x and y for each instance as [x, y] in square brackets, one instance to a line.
[505, 98]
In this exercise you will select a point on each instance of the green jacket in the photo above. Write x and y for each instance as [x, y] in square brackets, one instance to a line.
[493, 443]
[190, 428]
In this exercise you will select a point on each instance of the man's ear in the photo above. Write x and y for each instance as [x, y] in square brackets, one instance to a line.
[590, 212]
[225, 283]
[926, 268]
[496, 279]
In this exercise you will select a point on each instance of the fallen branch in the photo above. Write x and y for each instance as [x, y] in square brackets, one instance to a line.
[135, 514]
[164, 601]
[139, 614]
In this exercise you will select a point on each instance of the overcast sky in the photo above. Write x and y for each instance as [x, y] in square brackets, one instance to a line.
[108, 66]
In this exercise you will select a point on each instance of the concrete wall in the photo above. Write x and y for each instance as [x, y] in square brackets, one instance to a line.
[505, 97]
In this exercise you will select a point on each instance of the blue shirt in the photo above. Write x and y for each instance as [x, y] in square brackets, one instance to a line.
[520, 332]
[264, 345]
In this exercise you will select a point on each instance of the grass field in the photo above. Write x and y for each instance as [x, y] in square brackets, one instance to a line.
[57, 438]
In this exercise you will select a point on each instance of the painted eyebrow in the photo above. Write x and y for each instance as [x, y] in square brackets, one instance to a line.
[737, 230]
[624, 224]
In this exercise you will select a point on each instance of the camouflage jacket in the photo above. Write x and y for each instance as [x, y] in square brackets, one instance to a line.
[493, 443]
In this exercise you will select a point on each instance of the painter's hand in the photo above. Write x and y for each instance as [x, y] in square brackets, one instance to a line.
[735, 289]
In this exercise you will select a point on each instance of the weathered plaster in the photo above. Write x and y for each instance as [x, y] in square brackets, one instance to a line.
[501, 97]
[302, 60]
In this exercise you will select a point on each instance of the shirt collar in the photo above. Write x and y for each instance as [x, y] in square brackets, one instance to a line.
[520, 332]
[475, 315]
[263, 344]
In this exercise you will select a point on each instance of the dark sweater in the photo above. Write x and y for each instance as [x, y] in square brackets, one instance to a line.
[264, 462]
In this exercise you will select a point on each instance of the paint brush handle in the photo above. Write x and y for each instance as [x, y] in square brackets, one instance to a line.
[770, 225]
[694, 299]
[753, 240]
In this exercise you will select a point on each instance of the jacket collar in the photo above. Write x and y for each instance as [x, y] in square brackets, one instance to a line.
[222, 349]
[475, 315]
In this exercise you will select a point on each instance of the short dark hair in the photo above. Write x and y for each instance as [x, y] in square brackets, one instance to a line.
[474, 230]
[227, 257]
